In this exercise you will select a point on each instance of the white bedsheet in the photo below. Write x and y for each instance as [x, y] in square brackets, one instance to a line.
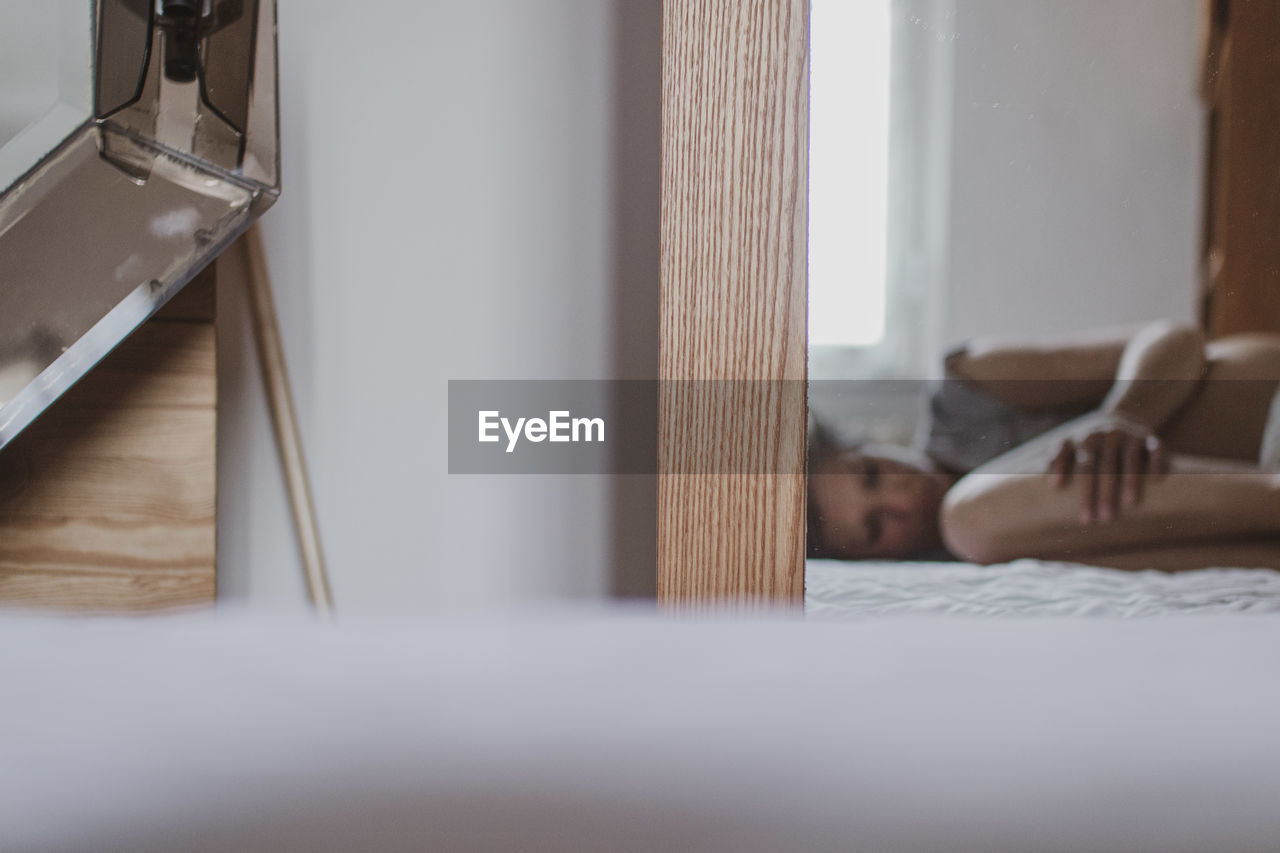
[1031, 588]
[629, 733]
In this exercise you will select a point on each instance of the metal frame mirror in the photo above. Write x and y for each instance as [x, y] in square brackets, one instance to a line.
[138, 139]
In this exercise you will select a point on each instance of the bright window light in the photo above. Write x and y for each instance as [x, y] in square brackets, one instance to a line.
[848, 171]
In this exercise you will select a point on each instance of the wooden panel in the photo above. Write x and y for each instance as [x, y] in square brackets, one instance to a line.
[195, 302]
[1243, 263]
[734, 170]
[107, 501]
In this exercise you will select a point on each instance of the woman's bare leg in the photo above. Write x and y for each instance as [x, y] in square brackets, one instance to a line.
[1228, 414]
[1245, 554]
[992, 516]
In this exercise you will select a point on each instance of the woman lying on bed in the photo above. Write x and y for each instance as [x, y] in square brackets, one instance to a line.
[1146, 449]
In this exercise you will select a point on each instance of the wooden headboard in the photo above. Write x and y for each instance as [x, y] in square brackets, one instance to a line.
[1241, 87]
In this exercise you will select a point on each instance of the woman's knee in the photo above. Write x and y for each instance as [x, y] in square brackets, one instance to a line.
[972, 522]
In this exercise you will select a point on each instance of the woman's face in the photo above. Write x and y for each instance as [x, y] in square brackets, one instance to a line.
[877, 501]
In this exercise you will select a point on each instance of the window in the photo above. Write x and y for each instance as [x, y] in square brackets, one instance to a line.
[879, 186]
[848, 171]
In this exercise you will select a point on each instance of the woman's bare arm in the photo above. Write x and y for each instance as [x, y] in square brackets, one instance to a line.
[1073, 371]
[1146, 372]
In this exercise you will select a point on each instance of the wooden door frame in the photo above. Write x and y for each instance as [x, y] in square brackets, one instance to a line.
[735, 120]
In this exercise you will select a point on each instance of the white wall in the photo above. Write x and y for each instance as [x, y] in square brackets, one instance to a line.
[1077, 167]
[46, 78]
[470, 191]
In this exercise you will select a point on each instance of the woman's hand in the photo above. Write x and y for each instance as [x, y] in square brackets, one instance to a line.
[1110, 466]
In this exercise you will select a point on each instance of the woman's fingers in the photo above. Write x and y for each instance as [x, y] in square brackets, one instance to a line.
[1134, 469]
[1088, 477]
[1111, 471]
[1063, 465]
[1109, 475]
[1110, 468]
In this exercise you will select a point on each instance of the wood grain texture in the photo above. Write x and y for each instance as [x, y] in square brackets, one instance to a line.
[197, 302]
[734, 233]
[107, 500]
[1243, 90]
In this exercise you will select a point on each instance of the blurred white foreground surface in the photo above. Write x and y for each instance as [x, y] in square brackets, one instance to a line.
[628, 732]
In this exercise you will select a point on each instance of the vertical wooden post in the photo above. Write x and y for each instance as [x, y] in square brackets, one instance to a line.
[735, 115]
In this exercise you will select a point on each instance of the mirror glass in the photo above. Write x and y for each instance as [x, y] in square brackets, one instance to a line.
[138, 138]
[1044, 327]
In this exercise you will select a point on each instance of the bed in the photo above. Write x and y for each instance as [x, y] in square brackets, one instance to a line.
[628, 731]
[1031, 588]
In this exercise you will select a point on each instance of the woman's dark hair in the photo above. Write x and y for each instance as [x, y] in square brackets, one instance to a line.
[823, 444]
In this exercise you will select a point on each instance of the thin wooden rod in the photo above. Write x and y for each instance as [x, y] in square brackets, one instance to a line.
[275, 378]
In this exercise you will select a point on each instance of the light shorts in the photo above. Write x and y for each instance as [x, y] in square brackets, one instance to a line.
[1269, 454]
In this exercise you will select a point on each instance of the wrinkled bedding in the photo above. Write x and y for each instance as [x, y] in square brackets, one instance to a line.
[1032, 588]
